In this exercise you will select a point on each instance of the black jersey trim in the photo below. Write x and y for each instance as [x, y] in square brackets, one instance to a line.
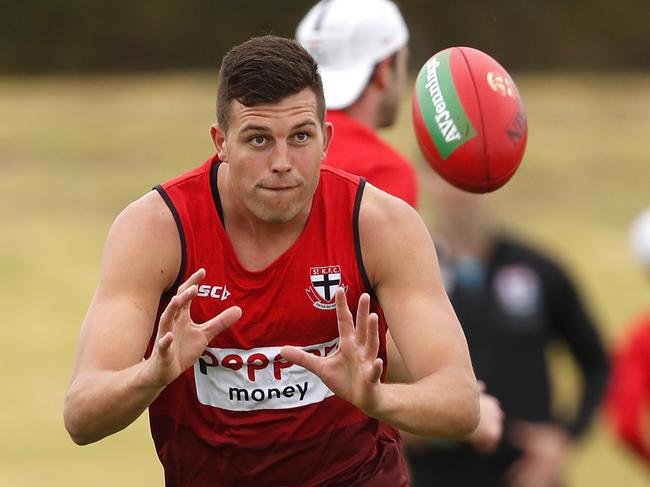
[181, 234]
[214, 170]
[357, 239]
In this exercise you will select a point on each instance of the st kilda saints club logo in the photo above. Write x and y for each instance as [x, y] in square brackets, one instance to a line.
[324, 283]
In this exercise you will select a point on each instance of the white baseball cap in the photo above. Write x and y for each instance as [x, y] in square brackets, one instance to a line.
[640, 237]
[347, 38]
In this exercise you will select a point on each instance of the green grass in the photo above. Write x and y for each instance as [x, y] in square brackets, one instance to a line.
[74, 152]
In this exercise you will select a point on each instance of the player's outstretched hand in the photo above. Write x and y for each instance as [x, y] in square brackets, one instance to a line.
[180, 341]
[353, 371]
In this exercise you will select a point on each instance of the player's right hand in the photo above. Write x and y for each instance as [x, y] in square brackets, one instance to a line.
[180, 341]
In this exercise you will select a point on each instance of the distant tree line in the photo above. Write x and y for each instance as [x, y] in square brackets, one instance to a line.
[138, 35]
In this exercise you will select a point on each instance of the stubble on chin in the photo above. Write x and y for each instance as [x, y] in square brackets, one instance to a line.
[280, 212]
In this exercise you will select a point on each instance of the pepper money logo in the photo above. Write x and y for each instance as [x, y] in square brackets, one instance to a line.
[324, 283]
[258, 378]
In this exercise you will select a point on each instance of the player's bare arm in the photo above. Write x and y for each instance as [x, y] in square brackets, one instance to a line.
[400, 259]
[402, 266]
[111, 384]
[485, 438]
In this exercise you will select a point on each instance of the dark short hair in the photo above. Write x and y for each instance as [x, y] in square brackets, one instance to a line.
[266, 69]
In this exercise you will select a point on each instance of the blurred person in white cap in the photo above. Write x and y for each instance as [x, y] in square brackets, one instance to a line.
[361, 48]
[628, 398]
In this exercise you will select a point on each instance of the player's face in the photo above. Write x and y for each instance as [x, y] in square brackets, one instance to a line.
[274, 153]
[390, 102]
[459, 212]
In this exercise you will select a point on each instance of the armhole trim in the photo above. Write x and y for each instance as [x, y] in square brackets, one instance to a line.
[357, 238]
[181, 234]
[215, 191]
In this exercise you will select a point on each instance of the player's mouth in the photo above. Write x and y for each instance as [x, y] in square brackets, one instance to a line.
[280, 187]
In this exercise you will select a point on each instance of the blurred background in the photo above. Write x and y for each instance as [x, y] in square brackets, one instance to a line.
[100, 101]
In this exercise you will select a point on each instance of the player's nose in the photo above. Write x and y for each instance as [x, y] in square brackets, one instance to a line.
[280, 160]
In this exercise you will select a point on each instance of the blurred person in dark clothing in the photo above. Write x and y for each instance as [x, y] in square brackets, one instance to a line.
[628, 397]
[512, 302]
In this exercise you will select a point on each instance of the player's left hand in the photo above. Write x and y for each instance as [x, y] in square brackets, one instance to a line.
[545, 449]
[353, 371]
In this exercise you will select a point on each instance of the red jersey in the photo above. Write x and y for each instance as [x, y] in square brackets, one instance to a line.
[629, 386]
[242, 415]
[355, 148]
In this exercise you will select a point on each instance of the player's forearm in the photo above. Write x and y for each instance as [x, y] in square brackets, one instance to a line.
[101, 403]
[445, 404]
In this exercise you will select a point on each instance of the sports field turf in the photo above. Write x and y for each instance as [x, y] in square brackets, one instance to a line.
[75, 151]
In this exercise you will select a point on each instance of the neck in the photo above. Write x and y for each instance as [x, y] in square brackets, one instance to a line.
[256, 242]
[365, 110]
[471, 242]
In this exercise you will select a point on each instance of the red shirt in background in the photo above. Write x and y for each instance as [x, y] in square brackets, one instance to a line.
[358, 150]
[628, 398]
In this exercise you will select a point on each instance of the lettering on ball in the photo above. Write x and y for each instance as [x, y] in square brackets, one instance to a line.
[443, 118]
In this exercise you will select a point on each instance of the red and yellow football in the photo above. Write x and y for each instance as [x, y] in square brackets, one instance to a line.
[469, 119]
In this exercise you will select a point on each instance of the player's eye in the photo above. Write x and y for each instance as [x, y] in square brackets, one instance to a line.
[258, 140]
[302, 136]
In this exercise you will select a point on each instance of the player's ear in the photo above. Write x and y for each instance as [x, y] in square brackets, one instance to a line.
[328, 133]
[381, 76]
[219, 139]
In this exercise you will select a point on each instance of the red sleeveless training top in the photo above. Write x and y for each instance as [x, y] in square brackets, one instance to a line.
[242, 416]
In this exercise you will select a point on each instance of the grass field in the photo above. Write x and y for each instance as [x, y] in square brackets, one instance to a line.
[74, 152]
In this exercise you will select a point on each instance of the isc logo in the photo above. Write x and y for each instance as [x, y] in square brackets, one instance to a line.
[216, 292]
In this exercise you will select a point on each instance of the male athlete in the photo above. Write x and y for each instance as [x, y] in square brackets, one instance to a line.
[246, 303]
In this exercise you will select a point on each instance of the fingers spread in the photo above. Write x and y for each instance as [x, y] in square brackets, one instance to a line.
[186, 297]
[168, 316]
[222, 321]
[180, 302]
[165, 342]
[299, 357]
[343, 315]
[372, 342]
[362, 319]
[375, 371]
[195, 278]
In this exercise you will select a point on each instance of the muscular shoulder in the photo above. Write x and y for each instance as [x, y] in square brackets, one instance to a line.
[381, 211]
[147, 218]
[149, 207]
[144, 240]
[390, 231]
